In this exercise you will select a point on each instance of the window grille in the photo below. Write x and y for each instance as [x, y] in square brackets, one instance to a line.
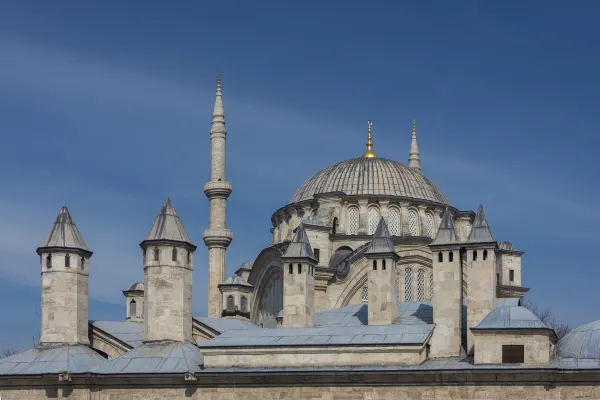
[365, 294]
[431, 286]
[352, 221]
[373, 219]
[421, 285]
[408, 284]
[394, 222]
[429, 224]
[413, 223]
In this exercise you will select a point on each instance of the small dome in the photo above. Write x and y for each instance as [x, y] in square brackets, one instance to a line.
[247, 264]
[370, 177]
[506, 246]
[510, 316]
[235, 280]
[136, 286]
[582, 342]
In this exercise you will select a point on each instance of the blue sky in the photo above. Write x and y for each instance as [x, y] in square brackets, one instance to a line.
[105, 107]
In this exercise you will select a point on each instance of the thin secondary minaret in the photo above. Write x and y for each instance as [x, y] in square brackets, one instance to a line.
[413, 157]
[217, 237]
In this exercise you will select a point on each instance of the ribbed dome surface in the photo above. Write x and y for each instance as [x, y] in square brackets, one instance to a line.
[370, 176]
[581, 342]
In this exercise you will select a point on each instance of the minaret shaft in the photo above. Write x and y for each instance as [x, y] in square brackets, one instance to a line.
[217, 237]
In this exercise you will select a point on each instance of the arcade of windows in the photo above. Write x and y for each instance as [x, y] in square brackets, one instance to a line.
[413, 223]
[417, 284]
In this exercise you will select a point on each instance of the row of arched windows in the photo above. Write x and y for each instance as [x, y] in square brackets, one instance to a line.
[67, 261]
[311, 269]
[174, 255]
[231, 304]
[394, 221]
[418, 285]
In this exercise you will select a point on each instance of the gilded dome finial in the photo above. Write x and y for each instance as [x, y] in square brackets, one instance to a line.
[369, 153]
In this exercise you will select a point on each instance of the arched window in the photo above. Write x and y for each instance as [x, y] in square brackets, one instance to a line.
[365, 294]
[68, 260]
[299, 268]
[497, 279]
[408, 284]
[485, 254]
[373, 219]
[421, 285]
[189, 256]
[49, 261]
[291, 269]
[474, 255]
[244, 304]
[440, 257]
[230, 303]
[451, 256]
[334, 226]
[132, 308]
[352, 221]
[374, 265]
[394, 222]
[429, 224]
[156, 254]
[413, 223]
[431, 286]
[82, 262]
[174, 254]
[383, 265]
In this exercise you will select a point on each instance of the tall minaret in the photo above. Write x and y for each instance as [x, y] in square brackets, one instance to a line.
[413, 158]
[217, 237]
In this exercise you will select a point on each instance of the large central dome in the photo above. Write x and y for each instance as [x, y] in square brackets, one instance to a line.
[370, 176]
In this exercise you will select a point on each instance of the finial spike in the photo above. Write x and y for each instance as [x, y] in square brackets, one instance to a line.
[369, 153]
[413, 157]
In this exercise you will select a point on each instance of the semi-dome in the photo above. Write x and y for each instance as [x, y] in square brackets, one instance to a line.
[581, 343]
[370, 177]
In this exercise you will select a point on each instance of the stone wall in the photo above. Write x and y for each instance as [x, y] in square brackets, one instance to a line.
[538, 346]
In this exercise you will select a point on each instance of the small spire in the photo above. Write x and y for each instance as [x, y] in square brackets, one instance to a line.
[480, 232]
[413, 157]
[300, 247]
[168, 226]
[369, 153]
[382, 241]
[218, 120]
[446, 233]
[64, 233]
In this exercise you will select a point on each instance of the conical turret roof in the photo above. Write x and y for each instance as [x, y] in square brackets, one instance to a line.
[300, 246]
[168, 225]
[64, 233]
[382, 241]
[446, 233]
[480, 233]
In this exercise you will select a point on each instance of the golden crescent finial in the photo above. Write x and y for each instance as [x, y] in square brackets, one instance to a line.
[369, 153]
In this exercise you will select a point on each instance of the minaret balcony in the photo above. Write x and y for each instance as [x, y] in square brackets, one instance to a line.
[217, 237]
[217, 189]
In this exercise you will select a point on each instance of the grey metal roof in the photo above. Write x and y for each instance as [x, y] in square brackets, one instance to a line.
[64, 233]
[168, 225]
[247, 264]
[510, 317]
[51, 359]
[313, 220]
[128, 332]
[370, 176]
[410, 313]
[581, 343]
[381, 242]
[164, 357]
[225, 324]
[300, 246]
[136, 286]
[235, 280]
[323, 336]
[447, 232]
[480, 232]
[506, 246]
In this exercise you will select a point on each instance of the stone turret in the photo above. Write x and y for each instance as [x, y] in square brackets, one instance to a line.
[299, 282]
[447, 289]
[65, 267]
[481, 273]
[217, 237]
[134, 302]
[168, 265]
[382, 289]
[237, 297]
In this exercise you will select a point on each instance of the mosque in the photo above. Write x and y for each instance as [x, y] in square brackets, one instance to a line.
[374, 286]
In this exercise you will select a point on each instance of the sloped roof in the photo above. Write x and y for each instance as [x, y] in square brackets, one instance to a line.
[128, 332]
[221, 325]
[447, 232]
[410, 313]
[480, 232]
[510, 317]
[323, 336]
[64, 233]
[300, 246]
[236, 280]
[51, 359]
[382, 241]
[164, 357]
[168, 225]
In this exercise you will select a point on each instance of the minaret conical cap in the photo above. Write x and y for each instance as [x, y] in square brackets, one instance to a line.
[480, 232]
[382, 241]
[413, 157]
[168, 226]
[64, 233]
[218, 119]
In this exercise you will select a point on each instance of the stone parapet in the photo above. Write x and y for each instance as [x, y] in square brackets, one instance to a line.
[217, 237]
[217, 189]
